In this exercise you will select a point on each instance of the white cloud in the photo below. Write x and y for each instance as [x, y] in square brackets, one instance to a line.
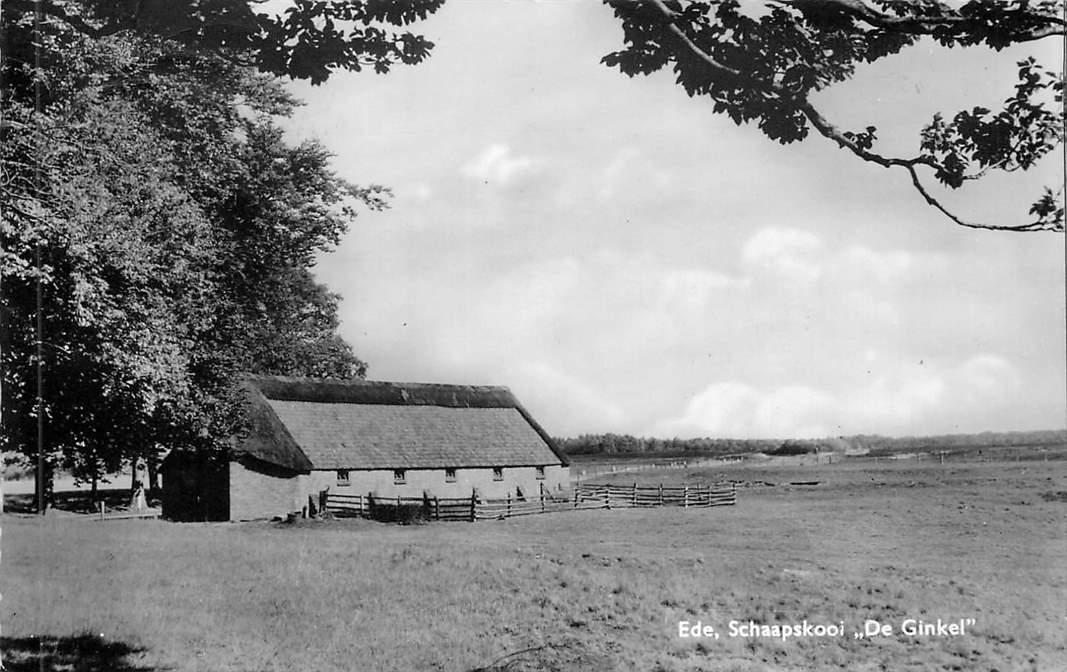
[989, 372]
[421, 192]
[789, 254]
[987, 380]
[795, 411]
[801, 256]
[498, 165]
[690, 289]
[724, 409]
[613, 173]
[482, 325]
[738, 410]
[909, 395]
[858, 261]
[896, 399]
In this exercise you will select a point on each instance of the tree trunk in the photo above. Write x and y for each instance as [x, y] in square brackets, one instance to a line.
[152, 465]
[137, 495]
[5, 345]
[135, 474]
[49, 477]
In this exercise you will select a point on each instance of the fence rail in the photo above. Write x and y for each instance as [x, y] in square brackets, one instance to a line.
[585, 496]
[622, 496]
[125, 514]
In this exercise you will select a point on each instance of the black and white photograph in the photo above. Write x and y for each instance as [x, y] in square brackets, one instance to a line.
[533, 335]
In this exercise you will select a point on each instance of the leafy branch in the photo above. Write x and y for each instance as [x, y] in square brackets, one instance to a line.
[802, 46]
[974, 23]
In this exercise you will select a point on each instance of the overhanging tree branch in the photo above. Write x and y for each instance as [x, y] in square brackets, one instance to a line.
[700, 53]
[947, 22]
[1039, 225]
[830, 131]
[825, 127]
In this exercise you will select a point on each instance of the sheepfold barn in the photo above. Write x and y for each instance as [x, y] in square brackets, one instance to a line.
[307, 436]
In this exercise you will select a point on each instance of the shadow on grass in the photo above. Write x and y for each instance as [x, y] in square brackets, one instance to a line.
[81, 653]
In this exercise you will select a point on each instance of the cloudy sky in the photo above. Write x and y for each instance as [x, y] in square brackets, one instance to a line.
[626, 261]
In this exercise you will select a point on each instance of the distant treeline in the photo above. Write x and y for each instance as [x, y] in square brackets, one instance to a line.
[624, 444]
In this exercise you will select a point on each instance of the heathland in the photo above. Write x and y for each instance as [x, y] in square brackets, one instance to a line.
[583, 590]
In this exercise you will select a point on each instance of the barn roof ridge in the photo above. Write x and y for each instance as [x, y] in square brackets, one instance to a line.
[392, 393]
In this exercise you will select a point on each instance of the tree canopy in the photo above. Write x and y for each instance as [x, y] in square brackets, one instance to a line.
[309, 40]
[149, 192]
[760, 63]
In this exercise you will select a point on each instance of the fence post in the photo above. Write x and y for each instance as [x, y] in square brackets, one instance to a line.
[474, 502]
[436, 508]
[685, 497]
[541, 486]
[509, 504]
[101, 510]
[661, 494]
[633, 501]
[576, 489]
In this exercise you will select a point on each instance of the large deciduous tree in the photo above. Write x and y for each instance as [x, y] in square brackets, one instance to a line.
[147, 190]
[761, 63]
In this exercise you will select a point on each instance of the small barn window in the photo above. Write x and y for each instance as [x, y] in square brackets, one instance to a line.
[342, 477]
[540, 473]
[498, 473]
[399, 476]
[450, 475]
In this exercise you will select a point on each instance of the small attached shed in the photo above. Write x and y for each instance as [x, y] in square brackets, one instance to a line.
[365, 437]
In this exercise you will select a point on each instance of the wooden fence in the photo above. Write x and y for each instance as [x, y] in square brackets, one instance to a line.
[545, 502]
[400, 508]
[585, 496]
[632, 496]
[123, 514]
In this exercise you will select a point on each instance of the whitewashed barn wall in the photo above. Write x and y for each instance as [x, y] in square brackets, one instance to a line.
[417, 481]
[255, 495]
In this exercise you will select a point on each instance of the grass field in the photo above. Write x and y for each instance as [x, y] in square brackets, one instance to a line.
[587, 590]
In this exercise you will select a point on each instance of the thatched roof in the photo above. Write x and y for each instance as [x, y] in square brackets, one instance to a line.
[305, 424]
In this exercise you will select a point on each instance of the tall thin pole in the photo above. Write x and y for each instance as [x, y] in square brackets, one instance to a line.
[40, 393]
[41, 500]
